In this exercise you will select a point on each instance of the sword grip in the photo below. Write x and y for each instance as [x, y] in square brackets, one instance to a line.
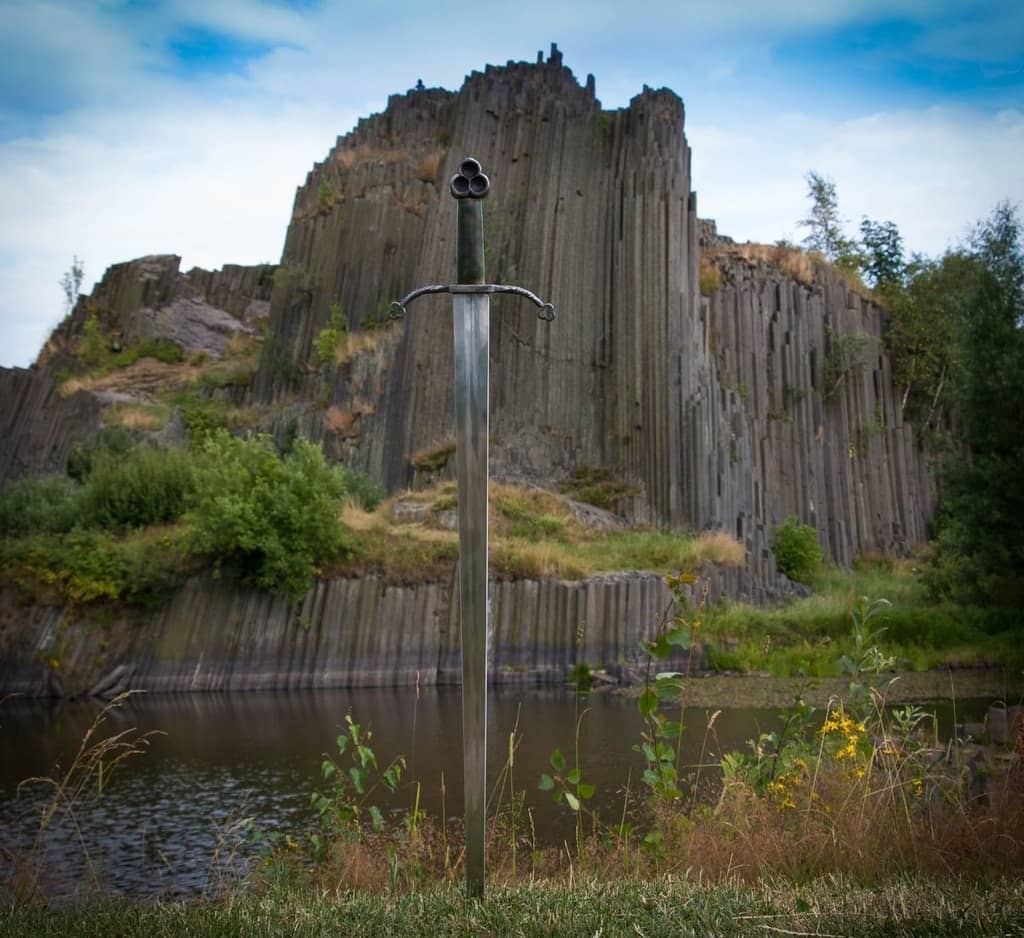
[470, 256]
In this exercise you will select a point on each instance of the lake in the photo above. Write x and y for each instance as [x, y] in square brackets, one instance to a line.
[166, 822]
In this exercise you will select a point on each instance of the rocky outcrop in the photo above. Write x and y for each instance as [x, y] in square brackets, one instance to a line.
[148, 298]
[800, 387]
[345, 633]
[770, 396]
[719, 412]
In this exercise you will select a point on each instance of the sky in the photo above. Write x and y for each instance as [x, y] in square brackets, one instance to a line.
[134, 127]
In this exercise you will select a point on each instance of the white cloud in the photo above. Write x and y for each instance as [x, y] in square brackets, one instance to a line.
[215, 185]
[934, 172]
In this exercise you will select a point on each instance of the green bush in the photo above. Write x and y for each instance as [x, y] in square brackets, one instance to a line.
[143, 486]
[47, 505]
[87, 566]
[361, 487]
[163, 350]
[273, 520]
[112, 440]
[796, 549]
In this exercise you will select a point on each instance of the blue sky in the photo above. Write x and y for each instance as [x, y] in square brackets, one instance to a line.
[131, 127]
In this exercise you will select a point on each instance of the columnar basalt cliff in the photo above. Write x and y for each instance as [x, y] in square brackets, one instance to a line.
[769, 396]
[345, 633]
[722, 412]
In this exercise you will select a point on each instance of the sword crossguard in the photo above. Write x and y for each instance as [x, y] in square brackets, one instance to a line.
[398, 308]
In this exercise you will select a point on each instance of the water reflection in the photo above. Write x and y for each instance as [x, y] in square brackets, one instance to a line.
[167, 821]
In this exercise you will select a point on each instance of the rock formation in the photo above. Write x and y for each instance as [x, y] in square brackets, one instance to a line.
[765, 394]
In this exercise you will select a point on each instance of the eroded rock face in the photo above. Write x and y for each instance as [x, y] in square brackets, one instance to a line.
[719, 412]
[41, 419]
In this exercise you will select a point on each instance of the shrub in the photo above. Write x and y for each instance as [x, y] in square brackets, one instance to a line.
[273, 520]
[796, 549]
[595, 485]
[331, 337]
[144, 486]
[163, 350]
[47, 505]
[362, 488]
[88, 566]
[114, 440]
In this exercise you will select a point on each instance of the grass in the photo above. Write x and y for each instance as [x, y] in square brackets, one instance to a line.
[676, 907]
[533, 533]
[807, 635]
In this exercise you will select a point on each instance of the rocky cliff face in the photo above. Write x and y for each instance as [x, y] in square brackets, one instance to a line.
[42, 417]
[345, 633]
[770, 396]
[724, 411]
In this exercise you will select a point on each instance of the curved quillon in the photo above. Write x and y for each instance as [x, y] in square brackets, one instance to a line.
[470, 182]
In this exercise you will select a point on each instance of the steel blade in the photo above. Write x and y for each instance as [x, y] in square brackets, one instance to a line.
[471, 324]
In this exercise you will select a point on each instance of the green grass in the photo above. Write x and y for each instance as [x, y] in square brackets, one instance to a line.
[670, 907]
[808, 635]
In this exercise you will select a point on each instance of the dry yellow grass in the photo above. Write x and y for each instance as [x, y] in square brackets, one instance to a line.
[356, 156]
[137, 416]
[427, 167]
[721, 549]
[360, 343]
[147, 377]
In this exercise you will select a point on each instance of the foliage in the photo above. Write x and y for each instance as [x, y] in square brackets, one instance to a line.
[919, 333]
[565, 784]
[273, 520]
[710, 277]
[362, 488]
[882, 252]
[434, 459]
[660, 734]
[162, 350]
[353, 776]
[979, 554]
[71, 283]
[87, 566]
[332, 337]
[825, 224]
[144, 485]
[596, 486]
[797, 551]
[50, 504]
[844, 355]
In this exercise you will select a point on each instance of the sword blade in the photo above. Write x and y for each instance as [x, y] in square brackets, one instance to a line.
[471, 322]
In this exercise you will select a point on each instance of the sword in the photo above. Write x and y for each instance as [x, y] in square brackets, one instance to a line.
[471, 330]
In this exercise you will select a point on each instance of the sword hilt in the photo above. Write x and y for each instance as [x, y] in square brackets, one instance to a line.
[545, 312]
[469, 185]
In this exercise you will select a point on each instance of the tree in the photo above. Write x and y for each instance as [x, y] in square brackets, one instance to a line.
[980, 542]
[882, 252]
[71, 283]
[826, 226]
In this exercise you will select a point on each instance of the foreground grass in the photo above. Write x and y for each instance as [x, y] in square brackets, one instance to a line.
[683, 907]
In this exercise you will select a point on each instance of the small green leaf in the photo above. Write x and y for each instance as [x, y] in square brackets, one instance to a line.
[671, 729]
[376, 818]
[586, 791]
[660, 648]
[546, 783]
[650, 777]
[558, 760]
[647, 702]
[357, 776]
[572, 800]
[342, 742]
[327, 768]
[679, 637]
[573, 778]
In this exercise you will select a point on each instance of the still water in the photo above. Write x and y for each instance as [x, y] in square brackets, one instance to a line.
[167, 820]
